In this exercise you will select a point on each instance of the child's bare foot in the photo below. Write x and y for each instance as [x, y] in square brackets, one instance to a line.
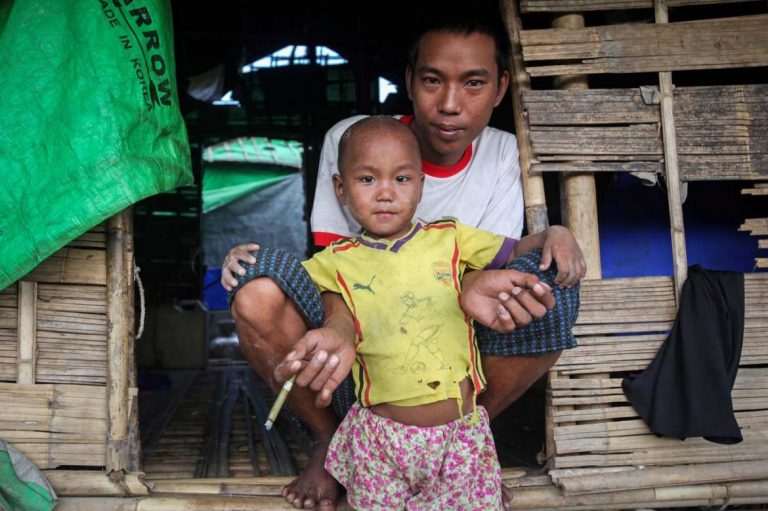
[315, 488]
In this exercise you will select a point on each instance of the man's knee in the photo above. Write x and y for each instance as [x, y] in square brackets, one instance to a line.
[257, 301]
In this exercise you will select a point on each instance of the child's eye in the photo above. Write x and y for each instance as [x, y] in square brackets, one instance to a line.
[402, 179]
[366, 179]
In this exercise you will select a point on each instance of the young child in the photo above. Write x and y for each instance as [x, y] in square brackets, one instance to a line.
[415, 438]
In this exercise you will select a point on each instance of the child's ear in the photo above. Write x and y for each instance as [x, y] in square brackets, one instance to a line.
[338, 187]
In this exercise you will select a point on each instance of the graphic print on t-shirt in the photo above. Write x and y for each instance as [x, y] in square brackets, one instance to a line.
[420, 321]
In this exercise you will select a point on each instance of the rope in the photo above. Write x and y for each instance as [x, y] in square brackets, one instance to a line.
[142, 307]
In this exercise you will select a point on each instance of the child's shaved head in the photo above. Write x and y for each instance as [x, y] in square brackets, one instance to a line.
[381, 123]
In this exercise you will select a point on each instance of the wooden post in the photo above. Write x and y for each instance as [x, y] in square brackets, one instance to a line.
[119, 340]
[533, 184]
[578, 198]
[134, 434]
[679, 256]
[27, 332]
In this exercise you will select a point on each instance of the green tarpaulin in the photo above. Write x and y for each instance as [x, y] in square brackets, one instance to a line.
[238, 167]
[89, 119]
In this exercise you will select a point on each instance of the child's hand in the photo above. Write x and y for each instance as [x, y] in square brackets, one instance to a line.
[505, 299]
[563, 247]
[231, 268]
[321, 360]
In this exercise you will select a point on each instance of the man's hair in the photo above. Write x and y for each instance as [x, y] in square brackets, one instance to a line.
[366, 123]
[489, 25]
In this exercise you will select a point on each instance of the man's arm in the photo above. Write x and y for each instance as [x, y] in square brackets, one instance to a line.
[323, 358]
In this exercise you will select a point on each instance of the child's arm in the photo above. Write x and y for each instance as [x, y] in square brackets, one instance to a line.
[556, 243]
[323, 357]
[505, 299]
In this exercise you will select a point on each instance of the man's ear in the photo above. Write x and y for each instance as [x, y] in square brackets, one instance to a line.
[338, 187]
[503, 84]
[408, 77]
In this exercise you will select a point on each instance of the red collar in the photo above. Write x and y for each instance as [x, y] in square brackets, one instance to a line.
[433, 170]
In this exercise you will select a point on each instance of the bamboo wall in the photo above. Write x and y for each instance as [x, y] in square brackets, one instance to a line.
[599, 453]
[67, 382]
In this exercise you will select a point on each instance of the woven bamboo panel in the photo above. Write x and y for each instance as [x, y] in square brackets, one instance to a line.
[621, 325]
[702, 44]
[720, 131]
[55, 425]
[607, 5]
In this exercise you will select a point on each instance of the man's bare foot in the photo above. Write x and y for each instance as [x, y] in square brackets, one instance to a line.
[315, 488]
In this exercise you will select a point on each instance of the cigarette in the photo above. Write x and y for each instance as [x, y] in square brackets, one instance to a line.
[272, 417]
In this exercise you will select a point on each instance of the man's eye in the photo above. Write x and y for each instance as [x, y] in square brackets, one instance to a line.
[430, 80]
[475, 84]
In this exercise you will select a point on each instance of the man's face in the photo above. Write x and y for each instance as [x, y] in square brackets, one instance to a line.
[454, 86]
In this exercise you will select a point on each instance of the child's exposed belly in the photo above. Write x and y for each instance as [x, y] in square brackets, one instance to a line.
[432, 414]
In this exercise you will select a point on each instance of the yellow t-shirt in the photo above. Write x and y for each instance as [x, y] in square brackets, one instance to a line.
[414, 343]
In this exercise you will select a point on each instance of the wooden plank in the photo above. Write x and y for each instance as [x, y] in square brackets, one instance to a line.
[729, 42]
[72, 266]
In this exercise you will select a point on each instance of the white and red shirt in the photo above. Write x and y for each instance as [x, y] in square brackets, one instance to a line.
[482, 190]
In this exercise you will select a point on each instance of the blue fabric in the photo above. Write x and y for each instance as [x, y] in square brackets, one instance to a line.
[551, 333]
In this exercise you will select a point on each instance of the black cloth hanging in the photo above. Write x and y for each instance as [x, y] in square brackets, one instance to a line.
[686, 390]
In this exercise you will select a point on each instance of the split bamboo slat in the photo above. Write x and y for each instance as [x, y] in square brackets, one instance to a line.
[757, 189]
[758, 227]
[701, 44]
[607, 5]
[720, 131]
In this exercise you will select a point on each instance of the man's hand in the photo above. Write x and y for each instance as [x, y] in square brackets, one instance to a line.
[505, 299]
[321, 360]
[231, 267]
[561, 246]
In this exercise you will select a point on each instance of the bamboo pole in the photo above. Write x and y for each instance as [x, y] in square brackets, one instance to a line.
[533, 183]
[27, 332]
[119, 342]
[91, 483]
[134, 434]
[579, 199]
[679, 256]
[655, 477]
[549, 497]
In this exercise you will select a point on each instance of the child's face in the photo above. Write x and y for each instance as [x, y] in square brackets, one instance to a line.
[381, 181]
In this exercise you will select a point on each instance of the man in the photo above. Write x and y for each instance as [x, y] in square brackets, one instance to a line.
[456, 76]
